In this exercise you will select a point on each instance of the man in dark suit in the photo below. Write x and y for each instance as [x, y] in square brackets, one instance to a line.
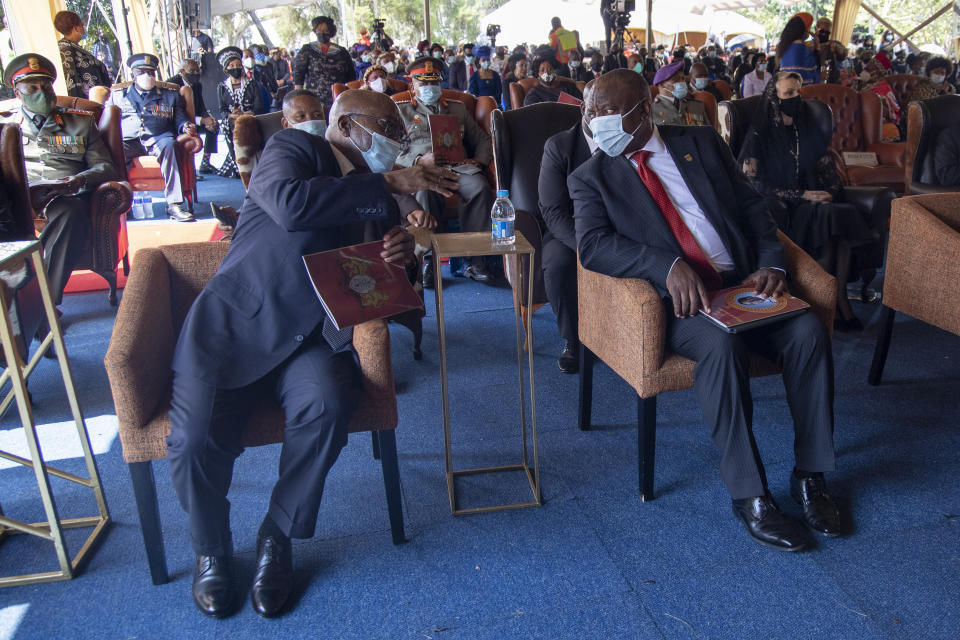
[259, 330]
[946, 157]
[562, 154]
[462, 68]
[190, 76]
[647, 208]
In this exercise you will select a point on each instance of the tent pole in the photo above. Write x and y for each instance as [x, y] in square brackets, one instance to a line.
[426, 19]
[649, 26]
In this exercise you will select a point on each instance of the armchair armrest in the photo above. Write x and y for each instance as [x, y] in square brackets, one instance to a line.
[873, 202]
[810, 282]
[604, 303]
[141, 346]
[922, 188]
[189, 143]
[889, 154]
[371, 341]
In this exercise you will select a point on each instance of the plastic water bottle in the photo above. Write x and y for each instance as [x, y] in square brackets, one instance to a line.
[139, 206]
[502, 217]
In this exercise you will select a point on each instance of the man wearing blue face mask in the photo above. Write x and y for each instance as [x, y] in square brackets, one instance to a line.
[475, 194]
[672, 104]
[700, 81]
[668, 204]
[462, 69]
[259, 330]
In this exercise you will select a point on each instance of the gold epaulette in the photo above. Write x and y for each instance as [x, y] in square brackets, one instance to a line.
[78, 112]
[121, 85]
[168, 85]
[407, 101]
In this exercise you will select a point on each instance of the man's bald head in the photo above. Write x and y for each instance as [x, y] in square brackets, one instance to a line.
[189, 66]
[623, 81]
[355, 115]
[699, 70]
[370, 103]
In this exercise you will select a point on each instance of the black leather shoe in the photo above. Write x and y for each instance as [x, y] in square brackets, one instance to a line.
[819, 511]
[178, 213]
[274, 578]
[768, 525]
[427, 273]
[569, 360]
[213, 590]
[206, 167]
[479, 272]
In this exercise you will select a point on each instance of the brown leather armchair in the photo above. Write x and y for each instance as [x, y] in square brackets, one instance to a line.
[395, 84]
[20, 288]
[636, 350]
[925, 120]
[164, 283]
[710, 106]
[923, 248]
[858, 120]
[724, 88]
[110, 202]
[144, 171]
[519, 136]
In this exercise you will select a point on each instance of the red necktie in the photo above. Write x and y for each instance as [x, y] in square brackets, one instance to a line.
[470, 72]
[692, 252]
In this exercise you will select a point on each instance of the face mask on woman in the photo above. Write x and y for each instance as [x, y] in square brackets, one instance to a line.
[485, 64]
[791, 106]
[390, 66]
[235, 72]
[451, 59]
[547, 78]
[937, 78]
[574, 64]
[379, 85]
[437, 54]
[365, 58]
[248, 63]
[323, 38]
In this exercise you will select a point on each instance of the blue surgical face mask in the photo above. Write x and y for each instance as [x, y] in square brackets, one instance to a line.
[485, 64]
[638, 67]
[609, 135]
[438, 54]
[679, 91]
[429, 94]
[701, 83]
[713, 54]
[937, 78]
[315, 127]
[383, 152]
[365, 57]
[468, 59]
[574, 64]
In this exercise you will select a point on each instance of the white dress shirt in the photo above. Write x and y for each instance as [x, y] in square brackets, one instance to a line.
[754, 85]
[662, 164]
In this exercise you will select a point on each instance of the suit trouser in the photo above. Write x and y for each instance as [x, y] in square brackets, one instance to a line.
[210, 139]
[559, 263]
[164, 149]
[65, 239]
[801, 346]
[317, 390]
[474, 202]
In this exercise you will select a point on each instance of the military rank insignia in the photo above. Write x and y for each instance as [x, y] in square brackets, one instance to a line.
[63, 144]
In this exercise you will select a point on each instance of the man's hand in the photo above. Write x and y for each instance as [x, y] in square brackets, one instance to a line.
[190, 129]
[420, 218]
[398, 247]
[209, 123]
[420, 177]
[767, 283]
[817, 196]
[427, 158]
[686, 290]
[473, 162]
[70, 186]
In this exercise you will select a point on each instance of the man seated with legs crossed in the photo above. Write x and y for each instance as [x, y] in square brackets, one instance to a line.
[648, 208]
[272, 338]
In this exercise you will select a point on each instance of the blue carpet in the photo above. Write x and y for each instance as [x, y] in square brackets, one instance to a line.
[592, 562]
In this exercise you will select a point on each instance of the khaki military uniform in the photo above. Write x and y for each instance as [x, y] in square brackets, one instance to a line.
[67, 144]
[669, 110]
[475, 193]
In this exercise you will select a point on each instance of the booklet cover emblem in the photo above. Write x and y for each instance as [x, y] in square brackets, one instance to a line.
[738, 309]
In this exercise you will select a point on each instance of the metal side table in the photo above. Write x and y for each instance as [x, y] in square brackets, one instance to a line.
[13, 255]
[450, 245]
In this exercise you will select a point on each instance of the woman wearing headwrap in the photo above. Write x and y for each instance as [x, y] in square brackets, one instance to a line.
[793, 55]
[238, 95]
[485, 82]
[786, 157]
[873, 78]
[377, 79]
[549, 87]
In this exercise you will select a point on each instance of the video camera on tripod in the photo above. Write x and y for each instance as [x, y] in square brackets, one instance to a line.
[618, 11]
[379, 39]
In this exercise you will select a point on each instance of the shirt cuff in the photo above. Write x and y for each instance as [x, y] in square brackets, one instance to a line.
[670, 270]
[783, 271]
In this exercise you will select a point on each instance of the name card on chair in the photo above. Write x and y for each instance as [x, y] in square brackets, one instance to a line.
[860, 158]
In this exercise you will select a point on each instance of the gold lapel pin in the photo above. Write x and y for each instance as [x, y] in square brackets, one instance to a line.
[688, 158]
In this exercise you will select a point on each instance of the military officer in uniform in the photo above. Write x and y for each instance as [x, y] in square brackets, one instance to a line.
[475, 193]
[153, 115]
[58, 144]
[672, 104]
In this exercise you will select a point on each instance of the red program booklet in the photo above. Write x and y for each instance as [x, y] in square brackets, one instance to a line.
[566, 98]
[738, 309]
[447, 139]
[355, 284]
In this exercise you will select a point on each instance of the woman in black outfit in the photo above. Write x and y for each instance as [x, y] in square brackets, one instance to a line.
[786, 157]
[237, 96]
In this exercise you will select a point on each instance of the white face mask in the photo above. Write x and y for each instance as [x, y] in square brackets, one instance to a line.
[315, 127]
[609, 135]
[429, 94]
[547, 78]
[146, 82]
[937, 78]
[248, 63]
[389, 66]
[379, 85]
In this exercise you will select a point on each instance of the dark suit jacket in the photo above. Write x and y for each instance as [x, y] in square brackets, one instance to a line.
[621, 231]
[260, 305]
[458, 76]
[199, 108]
[946, 157]
[562, 154]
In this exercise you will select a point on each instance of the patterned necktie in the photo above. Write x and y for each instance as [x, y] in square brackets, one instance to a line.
[336, 338]
[692, 252]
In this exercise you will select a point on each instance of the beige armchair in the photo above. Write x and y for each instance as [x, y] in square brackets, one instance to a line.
[162, 286]
[636, 350]
[923, 249]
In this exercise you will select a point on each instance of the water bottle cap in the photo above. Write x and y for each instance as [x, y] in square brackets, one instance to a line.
[503, 193]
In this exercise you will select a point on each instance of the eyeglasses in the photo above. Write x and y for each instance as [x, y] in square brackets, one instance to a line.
[398, 134]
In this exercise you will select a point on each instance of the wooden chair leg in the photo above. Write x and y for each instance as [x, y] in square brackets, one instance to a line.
[587, 360]
[391, 482]
[417, 339]
[376, 445]
[111, 278]
[646, 444]
[883, 345]
[145, 494]
[126, 264]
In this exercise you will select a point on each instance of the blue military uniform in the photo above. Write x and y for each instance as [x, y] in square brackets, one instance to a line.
[151, 121]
